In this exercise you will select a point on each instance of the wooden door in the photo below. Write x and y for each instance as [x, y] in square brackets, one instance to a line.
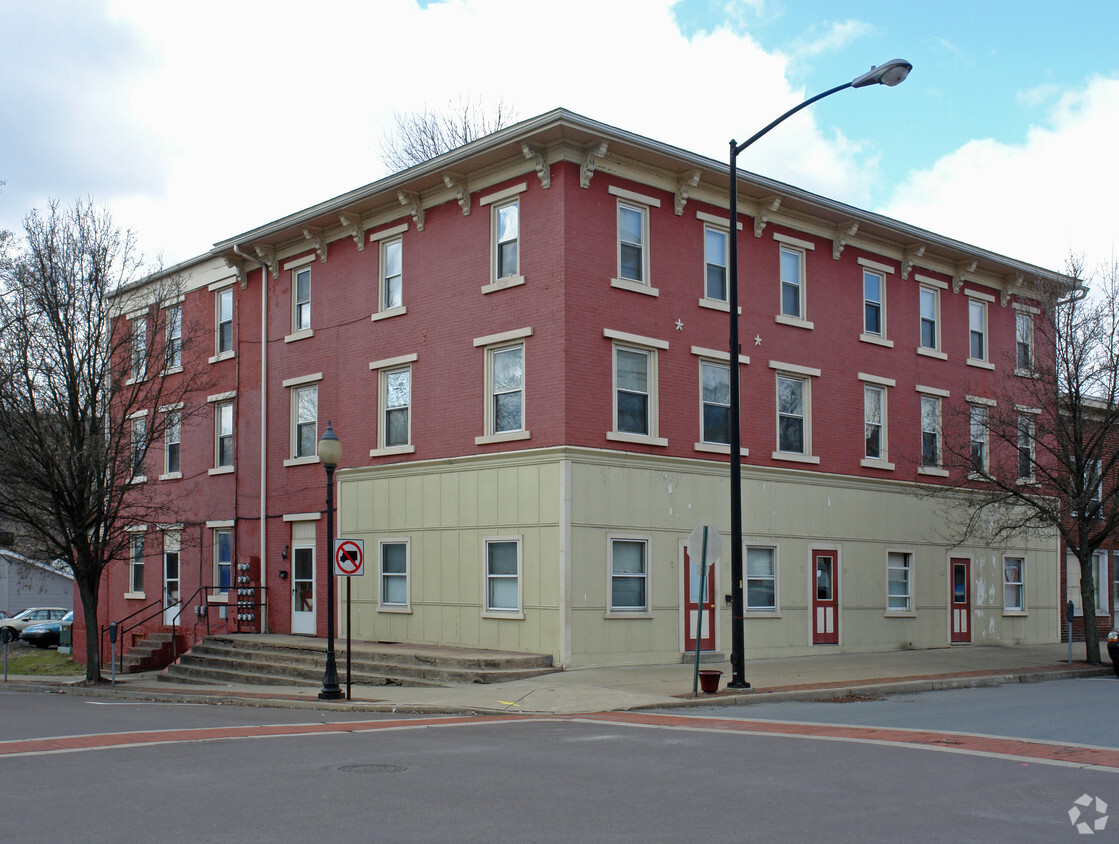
[825, 598]
[959, 607]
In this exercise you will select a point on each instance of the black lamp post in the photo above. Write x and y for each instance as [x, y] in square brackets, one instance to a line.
[330, 452]
[891, 73]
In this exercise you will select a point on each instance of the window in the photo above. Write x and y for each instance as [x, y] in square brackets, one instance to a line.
[506, 245]
[1024, 341]
[930, 323]
[761, 579]
[174, 337]
[392, 290]
[930, 431]
[873, 284]
[715, 259]
[394, 574]
[632, 396]
[223, 434]
[632, 227]
[396, 425]
[628, 575]
[1025, 448]
[172, 434]
[792, 415]
[874, 406]
[507, 380]
[715, 402]
[898, 581]
[1013, 580]
[223, 304]
[977, 329]
[1099, 573]
[139, 447]
[223, 559]
[503, 580]
[136, 564]
[301, 300]
[171, 546]
[1095, 480]
[305, 413]
[139, 348]
[792, 282]
[979, 424]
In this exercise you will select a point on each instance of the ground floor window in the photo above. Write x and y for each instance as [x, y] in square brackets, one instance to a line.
[628, 575]
[394, 574]
[899, 566]
[1013, 579]
[761, 579]
[503, 575]
[223, 559]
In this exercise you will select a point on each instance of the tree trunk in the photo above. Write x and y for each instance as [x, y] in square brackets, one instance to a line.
[1088, 598]
[89, 593]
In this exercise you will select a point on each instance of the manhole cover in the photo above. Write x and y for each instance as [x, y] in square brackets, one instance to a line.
[372, 769]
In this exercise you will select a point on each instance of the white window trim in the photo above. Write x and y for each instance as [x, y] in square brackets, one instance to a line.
[216, 594]
[800, 248]
[1099, 566]
[652, 347]
[229, 467]
[499, 196]
[724, 230]
[935, 351]
[218, 288]
[804, 374]
[168, 409]
[647, 610]
[298, 333]
[406, 607]
[292, 384]
[1022, 610]
[519, 613]
[883, 384]
[881, 271]
[984, 301]
[747, 612]
[639, 203]
[986, 404]
[715, 356]
[911, 568]
[1029, 313]
[500, 342]
[517, 278]
[380, 367]
[382, 266]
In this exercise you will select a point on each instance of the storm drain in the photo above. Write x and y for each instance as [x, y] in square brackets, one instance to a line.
[372, 769]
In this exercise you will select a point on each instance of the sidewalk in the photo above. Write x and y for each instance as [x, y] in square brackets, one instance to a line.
[588, 690]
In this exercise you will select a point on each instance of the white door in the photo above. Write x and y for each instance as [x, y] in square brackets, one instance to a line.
[303, 591]
[172, 609]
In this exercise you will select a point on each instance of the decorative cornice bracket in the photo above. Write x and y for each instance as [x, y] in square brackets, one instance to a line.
[318, 240]
[351, 222]
[683, 182]
[843, 232]
[239, 268]
[535, 154]
[962, 269]
[457, 183]
[591, 154]
[268, 259]
[411, 201]
[1009, 282]
[912, 253]
[766, 206]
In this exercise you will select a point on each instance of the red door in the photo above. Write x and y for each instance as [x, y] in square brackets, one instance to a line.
[959, 572]
[691, 611]
[825, 598]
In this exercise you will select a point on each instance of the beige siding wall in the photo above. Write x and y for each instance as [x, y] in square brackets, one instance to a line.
[448, 509]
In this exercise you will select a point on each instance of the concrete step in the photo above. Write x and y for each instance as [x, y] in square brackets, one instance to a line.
[289, 660]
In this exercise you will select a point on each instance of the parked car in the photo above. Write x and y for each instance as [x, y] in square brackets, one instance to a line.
[32, 615]
[45, 633]
[4, 615]
[1113, 649]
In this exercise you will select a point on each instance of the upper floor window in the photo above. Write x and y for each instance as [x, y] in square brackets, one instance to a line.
[792, 415]
[874, 412]
[301, 300]
[223, 304]
[506, 233]
[792, 282]
[507, 378]
[1025, 448]
[139, 347]
[636, 403]
[305, 421]
[633, 224]
[930, 431]
[873, 303]
[979, 417]
[396, 425]
[172, 435]
[139, 447]
[715, 261]
[714, 402]
[1024, 342]
[392, 274]
[174, 337]
[136, 564]
[930, 318]
[977, 329]
[223, 559]
[223, 434]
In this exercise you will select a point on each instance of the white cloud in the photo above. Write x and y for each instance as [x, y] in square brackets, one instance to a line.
[1035, 200]
[836, 37]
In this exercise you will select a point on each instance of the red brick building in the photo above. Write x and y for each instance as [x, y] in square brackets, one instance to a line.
[522, 345]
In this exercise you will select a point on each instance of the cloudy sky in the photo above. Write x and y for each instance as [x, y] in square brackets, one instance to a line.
[196, 121]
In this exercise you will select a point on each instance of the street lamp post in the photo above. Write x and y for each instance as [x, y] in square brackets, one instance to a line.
[330, 452]
[891, 73]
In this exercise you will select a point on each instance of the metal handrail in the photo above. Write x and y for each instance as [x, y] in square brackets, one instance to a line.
[119, 622]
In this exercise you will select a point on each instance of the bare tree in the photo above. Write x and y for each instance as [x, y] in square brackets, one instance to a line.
[422, 135]
[1044, 454]
[81, 391]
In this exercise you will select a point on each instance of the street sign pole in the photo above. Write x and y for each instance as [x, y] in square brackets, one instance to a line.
[699, 614]
[349, 561]
[349, 674]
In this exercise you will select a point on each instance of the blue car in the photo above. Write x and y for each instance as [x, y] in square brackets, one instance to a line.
[47, 633]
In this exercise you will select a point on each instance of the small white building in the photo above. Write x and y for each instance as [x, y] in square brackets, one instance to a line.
[29, 583]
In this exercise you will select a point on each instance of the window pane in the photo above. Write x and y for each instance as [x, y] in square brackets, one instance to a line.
[507, 259]
[633, 372]
[627, 557]
[790, 267]
[629, 225]
[507, 223]
[873, 317]
[503, 593]
[759, 562]
[790, 300]
[508, 369]
[396, 427]
[394, 558]
[715, 248]
[790, 396]
[633, 413]
[716, 424]
[792, 435]
[631, 262]
[507, 412]
[502, 557]
[304, 564]
[392, 258]
[627, 592]
[398, 388]
[394, 590]
[303, 286]
[307, 401]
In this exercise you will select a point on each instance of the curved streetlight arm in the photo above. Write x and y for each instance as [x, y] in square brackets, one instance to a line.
[735, 149]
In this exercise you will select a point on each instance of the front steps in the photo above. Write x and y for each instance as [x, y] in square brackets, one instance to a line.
[279, 660]
[154, 651]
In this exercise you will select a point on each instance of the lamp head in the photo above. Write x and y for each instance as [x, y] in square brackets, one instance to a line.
[330, 448]
[891, 73]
